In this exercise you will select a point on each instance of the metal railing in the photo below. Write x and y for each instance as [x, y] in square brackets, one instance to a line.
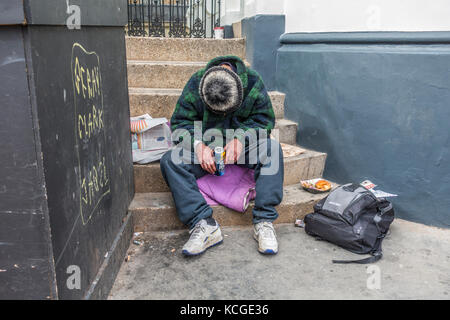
[173, 18]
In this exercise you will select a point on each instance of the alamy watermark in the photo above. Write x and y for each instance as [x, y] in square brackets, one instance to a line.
[73, 281]
[74, 19]
[258, 147]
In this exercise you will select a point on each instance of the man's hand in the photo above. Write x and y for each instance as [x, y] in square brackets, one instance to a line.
[206, 158]
[233, 150]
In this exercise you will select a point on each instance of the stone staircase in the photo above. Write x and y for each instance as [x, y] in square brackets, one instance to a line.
[158, 69]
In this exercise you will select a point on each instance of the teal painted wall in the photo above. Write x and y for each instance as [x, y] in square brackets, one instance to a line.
[379, 105]
[262, 34]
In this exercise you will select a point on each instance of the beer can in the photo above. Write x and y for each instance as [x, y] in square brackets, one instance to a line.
[219, 157]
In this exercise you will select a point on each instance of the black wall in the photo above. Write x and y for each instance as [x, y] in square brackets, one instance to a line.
[26, 258]
[84, 220]
[66, 174]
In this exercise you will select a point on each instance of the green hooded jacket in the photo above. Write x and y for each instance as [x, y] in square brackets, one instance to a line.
[255, 112]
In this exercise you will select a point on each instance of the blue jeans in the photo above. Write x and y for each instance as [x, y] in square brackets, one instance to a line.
[189, 202]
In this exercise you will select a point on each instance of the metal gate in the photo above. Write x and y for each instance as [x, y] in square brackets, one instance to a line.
[173, 18]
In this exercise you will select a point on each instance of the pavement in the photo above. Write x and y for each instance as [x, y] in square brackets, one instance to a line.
[415, 265]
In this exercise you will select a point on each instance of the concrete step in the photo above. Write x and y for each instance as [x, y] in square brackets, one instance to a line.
[156, 211]
[159, 102]
[182, 49]
[161, 74]
[287, 131]
[308, 165]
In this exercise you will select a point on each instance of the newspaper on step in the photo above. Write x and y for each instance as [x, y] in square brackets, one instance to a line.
[150, 138]
[369, 185]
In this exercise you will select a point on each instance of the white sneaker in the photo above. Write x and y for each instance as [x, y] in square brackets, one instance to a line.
[265, 234]
[205, 234]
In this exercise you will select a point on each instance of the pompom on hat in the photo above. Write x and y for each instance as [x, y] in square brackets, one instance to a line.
[221, 90]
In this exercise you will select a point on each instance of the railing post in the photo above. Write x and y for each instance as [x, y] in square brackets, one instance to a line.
[136, 18]
[156, 27]
[177, 19]
[217, 24]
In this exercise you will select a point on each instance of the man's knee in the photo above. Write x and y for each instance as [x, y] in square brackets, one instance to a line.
[174, 158]
[166, 159]
[271, 158]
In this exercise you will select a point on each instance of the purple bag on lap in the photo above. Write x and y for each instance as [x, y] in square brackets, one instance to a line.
[234, 190]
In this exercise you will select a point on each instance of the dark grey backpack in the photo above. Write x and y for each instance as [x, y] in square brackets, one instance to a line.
[354, 219]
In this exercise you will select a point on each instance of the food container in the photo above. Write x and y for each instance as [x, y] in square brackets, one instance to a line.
[219, 32]
[310, 185]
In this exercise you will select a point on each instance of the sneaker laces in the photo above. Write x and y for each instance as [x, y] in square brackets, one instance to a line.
[197, 231]
[267, 230]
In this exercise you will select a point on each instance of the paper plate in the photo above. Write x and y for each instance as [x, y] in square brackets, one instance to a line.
[313, 182]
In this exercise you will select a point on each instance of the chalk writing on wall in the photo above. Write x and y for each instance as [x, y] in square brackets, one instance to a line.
[93, 177]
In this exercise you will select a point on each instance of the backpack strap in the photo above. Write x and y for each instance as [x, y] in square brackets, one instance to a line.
[377, 254]
[371, 259]
[385, 209]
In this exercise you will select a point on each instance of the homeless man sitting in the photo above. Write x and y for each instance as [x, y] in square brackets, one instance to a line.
[225, 95]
